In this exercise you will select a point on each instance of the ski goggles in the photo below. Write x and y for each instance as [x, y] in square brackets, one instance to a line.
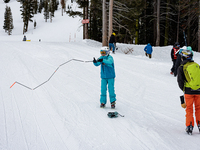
[103, 52]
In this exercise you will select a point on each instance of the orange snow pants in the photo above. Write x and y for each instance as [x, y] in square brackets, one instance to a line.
[190, 100]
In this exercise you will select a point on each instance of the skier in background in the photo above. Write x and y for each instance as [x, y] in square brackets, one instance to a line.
[24, 39]
[175, 48]
[148, 50]
[107, 76]
[191, 89]
[112, 42]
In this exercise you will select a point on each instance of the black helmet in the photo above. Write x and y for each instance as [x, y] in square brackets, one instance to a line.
[177, 44]
[186, 54]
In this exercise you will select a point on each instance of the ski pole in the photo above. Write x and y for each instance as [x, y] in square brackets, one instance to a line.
[184, 37]
[121, 115]
[50, 76]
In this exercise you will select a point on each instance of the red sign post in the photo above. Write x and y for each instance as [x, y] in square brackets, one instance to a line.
[85, 21]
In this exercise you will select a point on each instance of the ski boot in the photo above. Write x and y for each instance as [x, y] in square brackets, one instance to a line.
[189, 129]
[199, 125]
[102, 105]
[113, 105]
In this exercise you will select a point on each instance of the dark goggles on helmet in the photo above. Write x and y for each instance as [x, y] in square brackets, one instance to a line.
[103, 52]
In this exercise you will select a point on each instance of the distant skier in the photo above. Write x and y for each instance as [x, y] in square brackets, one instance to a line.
[112, 42]
[175, 48]
[24, 39]
[148, 50]
[189, 82]
[107, 76]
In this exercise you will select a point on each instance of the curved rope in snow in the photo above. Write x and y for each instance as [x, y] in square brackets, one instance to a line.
[49, 77]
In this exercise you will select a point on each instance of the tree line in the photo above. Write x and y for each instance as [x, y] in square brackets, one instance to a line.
[28, 8]
[159, 22]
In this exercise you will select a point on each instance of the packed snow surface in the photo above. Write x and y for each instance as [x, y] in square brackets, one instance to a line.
[64, 113]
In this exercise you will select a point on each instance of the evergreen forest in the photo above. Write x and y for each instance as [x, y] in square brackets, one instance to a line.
[158, 22]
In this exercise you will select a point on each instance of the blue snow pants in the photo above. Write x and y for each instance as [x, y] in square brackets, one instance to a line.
[111, 90]
[111, 45]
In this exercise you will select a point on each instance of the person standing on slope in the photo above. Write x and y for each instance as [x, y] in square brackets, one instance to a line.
[189, 82]
[112, 42]
[107, 77]
[174, 56]
[148, 50]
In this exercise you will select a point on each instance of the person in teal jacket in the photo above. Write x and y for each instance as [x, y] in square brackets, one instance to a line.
[107, 76]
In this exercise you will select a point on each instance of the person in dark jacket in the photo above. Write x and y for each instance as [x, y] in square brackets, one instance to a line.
[178, 60]
[175, 48]
[148, 50]
[112, 42]
[191, 96]
[24, 39]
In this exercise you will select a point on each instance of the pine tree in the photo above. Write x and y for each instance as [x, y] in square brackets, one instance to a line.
[41, 5]
[27, 13]
[6, 1]
[8, 21]
[52, 7]
[46, 10]
[35, 6]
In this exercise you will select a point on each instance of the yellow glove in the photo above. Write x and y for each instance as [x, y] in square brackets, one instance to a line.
[183, 105]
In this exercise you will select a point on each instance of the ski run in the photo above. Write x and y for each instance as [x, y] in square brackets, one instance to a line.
[64, 113]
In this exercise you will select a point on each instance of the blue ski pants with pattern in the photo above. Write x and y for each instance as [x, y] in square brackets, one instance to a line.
[111, 45]
[111, 90]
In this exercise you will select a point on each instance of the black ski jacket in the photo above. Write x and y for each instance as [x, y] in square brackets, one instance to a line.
[178, 63]
[181, 80]
[112, 39]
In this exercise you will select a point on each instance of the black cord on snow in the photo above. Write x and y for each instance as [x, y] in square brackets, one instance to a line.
[49, 77]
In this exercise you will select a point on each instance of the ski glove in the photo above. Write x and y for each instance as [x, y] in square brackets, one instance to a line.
[183, 105]
[94, 61]
[182, 101]
[100, 60]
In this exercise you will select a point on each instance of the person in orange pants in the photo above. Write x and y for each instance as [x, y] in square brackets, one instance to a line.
[191, 96]
[190, 100]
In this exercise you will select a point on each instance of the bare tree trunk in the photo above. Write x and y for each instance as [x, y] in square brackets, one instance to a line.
[104, 24]
[110, 18]
[145, 23]
[199, 31]
[86, 25]
[155, 11]
[158, 24]
[167, 24]
[137, 29]
[177, 36]
[188, 31]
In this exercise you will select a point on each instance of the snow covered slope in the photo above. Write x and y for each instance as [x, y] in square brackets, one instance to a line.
[64, 113]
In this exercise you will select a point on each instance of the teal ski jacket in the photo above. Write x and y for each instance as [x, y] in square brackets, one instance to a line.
[107, 67]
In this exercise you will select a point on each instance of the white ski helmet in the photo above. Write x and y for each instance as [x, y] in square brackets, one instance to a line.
[186, 54]
[182, 48]
[105, 49]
